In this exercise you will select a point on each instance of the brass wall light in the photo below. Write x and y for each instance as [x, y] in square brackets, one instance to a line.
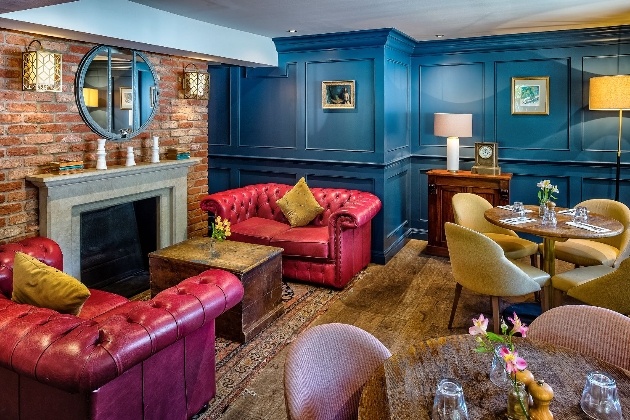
[196, 83]
[41, 69]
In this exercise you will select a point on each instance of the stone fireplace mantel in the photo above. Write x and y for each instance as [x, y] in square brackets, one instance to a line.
[62, 199]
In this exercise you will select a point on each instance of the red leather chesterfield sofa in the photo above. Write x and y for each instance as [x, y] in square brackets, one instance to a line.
[118, 359]
[329, 251]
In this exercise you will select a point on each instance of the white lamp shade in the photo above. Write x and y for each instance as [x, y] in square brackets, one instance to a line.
[609, 93]
[452, 125]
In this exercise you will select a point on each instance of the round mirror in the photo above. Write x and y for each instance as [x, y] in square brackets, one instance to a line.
[116, 92]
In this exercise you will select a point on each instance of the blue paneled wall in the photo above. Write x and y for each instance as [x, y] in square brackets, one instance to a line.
[268, 124]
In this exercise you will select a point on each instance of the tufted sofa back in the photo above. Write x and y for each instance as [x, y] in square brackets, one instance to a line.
[259, 200]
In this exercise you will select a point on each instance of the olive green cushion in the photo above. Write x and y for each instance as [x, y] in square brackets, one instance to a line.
[41, 285]
[572, 278]
[299, 205]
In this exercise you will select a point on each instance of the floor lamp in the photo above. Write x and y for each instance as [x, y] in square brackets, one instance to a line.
[452, 126]
[611, 93]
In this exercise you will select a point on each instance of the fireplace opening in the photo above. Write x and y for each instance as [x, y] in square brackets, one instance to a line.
[115, 244]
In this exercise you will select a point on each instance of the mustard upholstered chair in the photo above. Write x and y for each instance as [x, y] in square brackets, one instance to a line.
[480, 265]
[604, 251]
[597, 285]
[468, 211]
[591, 330]
[325, 371]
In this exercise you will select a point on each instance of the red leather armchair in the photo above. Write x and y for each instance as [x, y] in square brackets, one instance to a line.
[330, 250]
[117, 359]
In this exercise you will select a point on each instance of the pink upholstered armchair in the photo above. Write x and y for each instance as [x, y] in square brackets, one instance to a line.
[330, 250]
[118, 359]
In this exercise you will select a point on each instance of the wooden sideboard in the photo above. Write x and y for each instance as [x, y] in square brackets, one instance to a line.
[443, 185]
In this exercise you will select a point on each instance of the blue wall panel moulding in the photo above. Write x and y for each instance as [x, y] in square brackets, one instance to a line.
[268, 124]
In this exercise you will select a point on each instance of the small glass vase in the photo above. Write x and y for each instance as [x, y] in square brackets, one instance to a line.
[517, 400]
[213, 248]
[541, 208]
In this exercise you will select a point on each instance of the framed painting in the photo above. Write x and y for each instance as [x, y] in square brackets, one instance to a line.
[338, 94]
[530, 95]
[126, 98]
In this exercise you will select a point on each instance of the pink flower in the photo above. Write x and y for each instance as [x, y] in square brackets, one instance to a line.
[513, 363]
[480, 325]
[518, 326]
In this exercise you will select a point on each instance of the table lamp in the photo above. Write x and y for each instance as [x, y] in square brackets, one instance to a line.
[452, 126]
[611, 93]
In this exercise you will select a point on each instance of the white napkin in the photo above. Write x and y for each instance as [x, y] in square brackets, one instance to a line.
[517, 220]
[586, 226]
[510, 208]
[570, 212]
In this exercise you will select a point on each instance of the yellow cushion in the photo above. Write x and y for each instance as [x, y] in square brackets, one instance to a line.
[572, 278]
[299, 205]
[38, 284]
[585, 252]
[514, 247]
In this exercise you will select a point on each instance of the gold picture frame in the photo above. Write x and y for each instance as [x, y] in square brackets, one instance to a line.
[530, 95]
[338, 94]
[126, 98]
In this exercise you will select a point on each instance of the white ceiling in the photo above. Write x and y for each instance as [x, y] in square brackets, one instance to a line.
[241, 31]
[420, 19]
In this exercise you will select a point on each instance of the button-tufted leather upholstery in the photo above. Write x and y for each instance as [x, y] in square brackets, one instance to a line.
[118, 359]
[330, 250]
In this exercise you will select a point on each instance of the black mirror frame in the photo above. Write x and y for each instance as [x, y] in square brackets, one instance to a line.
[80, 100]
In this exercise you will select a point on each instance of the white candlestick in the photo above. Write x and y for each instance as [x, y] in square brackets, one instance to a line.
[130, 157]
[101, 162]
[155, 150]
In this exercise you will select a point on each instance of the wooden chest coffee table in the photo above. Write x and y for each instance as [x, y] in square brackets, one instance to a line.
[258, 267]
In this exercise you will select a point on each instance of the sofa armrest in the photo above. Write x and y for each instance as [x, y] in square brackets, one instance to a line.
[357, 212]
[44, 249]
[82, 355]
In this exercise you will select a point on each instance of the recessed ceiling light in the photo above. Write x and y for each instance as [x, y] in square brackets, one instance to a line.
[292, 31]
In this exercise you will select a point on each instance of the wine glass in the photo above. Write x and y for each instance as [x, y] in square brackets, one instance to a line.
[519, 208]
[599, 397]
[449, 403]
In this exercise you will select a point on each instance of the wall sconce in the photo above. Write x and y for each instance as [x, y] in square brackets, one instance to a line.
[41, 69]
[452, 126]
[611, 93]
[90, 97]
[196, 83]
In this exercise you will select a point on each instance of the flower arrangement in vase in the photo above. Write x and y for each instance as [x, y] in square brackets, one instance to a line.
[220, 230]
[514, 365]
[545, 194]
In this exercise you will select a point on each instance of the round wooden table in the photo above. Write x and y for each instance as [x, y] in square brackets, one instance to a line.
[404, 386]
[550, 234]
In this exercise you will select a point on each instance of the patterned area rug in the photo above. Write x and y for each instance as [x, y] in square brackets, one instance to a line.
[238, 363]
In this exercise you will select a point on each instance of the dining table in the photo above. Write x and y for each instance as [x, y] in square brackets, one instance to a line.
[598, 226]
[404, 386]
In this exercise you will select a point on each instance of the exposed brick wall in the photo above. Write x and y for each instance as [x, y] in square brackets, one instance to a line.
[37, 128]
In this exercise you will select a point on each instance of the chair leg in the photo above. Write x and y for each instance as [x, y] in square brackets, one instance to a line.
[534, 260]
[458, 291]
[496, 322]
[558, 298]
[545, 296]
